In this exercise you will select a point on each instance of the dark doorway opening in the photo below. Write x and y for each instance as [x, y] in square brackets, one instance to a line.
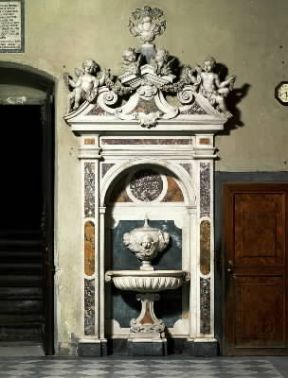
[26, 210]
[21, 199]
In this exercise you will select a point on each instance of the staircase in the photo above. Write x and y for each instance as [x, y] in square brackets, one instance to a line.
[21, 298]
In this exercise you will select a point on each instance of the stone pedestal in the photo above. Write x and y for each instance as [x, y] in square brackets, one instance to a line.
[147, 332]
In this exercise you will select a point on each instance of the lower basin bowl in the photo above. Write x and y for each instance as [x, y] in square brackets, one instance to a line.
[147, 281]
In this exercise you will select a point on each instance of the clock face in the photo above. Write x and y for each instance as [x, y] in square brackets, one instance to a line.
[281, 93]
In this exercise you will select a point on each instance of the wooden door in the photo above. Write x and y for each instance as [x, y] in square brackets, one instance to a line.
[255, 239]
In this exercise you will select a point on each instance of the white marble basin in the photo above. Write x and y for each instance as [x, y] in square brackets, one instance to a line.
[146, 281]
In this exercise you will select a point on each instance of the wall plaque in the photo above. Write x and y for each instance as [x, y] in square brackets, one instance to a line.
[11, 26]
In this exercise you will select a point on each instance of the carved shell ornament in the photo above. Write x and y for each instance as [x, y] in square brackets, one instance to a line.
[150, 77]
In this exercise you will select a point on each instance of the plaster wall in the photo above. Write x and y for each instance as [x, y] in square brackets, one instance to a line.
[250, 37]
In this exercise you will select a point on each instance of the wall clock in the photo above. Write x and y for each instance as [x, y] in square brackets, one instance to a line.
[281, 92]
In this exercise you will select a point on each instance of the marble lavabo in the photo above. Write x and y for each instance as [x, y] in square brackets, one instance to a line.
[147, 281]
[147, 328]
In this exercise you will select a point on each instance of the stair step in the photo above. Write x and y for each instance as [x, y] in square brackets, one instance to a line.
[20, 255]
[16, 306]
[20, 319]
[20, 292]
[16, 280]
[20, 267]
[22, 244]
[21, 295]
[20, 333]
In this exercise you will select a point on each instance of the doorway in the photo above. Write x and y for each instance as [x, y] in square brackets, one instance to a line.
[26, 212]
[256, 269]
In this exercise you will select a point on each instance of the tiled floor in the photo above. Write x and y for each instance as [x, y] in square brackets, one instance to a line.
[152, 368]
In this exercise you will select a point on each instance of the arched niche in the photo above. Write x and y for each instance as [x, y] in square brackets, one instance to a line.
[176, 175]
[146, 190]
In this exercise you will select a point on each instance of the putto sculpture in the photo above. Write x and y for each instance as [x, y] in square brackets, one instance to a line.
[85, 87]
[210, 85]
[153, 85]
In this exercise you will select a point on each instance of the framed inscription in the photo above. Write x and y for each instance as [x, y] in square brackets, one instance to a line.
[11, 26]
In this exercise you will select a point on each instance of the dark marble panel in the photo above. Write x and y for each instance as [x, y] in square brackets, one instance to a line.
[89, 307]
[146, 141]
[146, 185]
[124, 306]
[205, 187]
[188, 167]
[147, 349]
[175, 346]
[106, 167]
[122, 258]
[89, 189]
[97, 349]
[205, 309]
[204, 349]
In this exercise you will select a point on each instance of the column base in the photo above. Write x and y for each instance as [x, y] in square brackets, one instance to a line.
[92, 348]
[203, 348]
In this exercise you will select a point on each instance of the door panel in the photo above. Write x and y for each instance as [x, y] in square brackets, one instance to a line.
[259, 229]
[259, 312]
[255, 236]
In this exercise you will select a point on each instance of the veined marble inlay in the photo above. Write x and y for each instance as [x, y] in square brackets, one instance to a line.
[188, 167]
[204, 190]
[147, 141]
[174, 193]
[146, 185]
[106, 167]
[89, 189]
[89, 307]
[193, 109]
[89, 248]
[205, 327]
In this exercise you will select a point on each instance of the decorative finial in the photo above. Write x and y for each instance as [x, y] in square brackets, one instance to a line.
[146, 23]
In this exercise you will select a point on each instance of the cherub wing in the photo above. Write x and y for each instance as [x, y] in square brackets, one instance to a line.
[161, 27]
[68, 80]
[133, 29]
[78, 72]
[102, 78]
